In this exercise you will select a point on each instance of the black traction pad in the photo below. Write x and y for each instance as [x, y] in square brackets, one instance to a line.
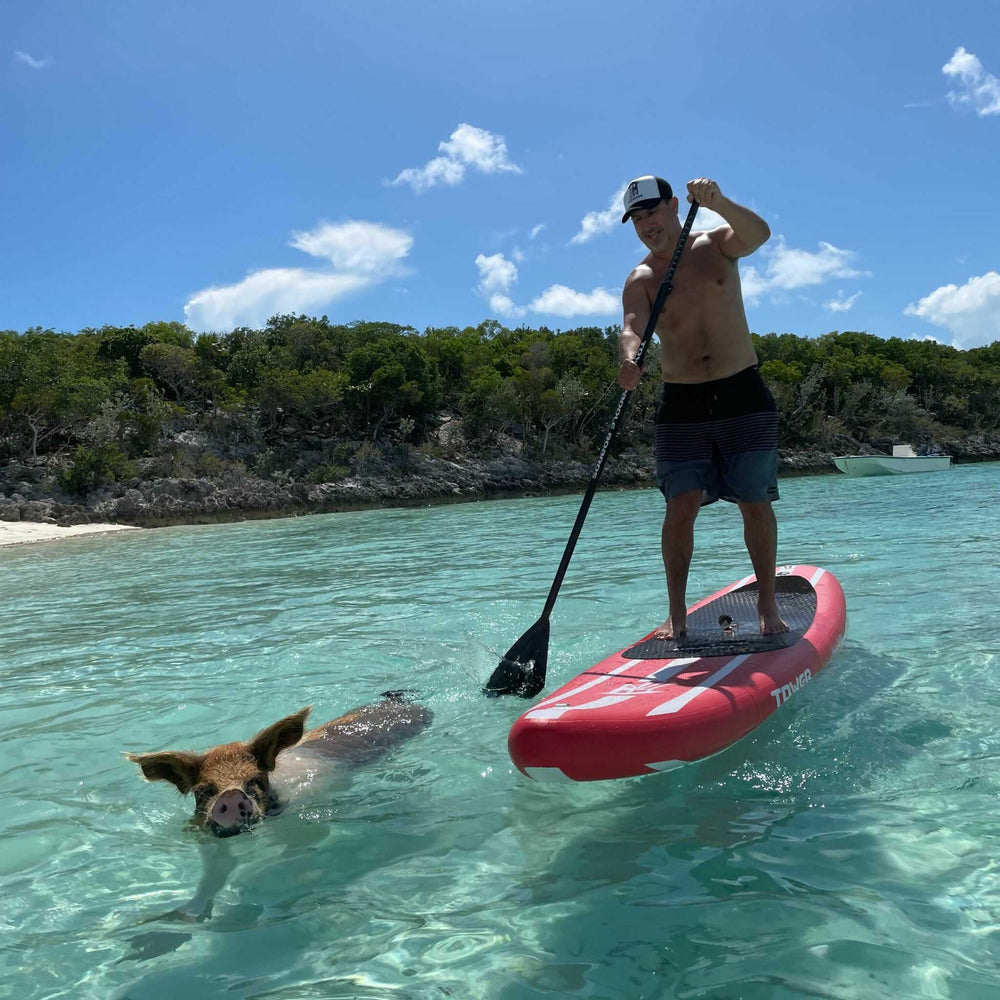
[705, 635]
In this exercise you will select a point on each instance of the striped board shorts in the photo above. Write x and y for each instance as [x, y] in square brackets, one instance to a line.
[720, 437]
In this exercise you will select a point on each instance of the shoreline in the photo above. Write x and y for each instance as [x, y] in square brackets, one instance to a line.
[28, 532]
[377, 496]
[428, 483]
[33, 494]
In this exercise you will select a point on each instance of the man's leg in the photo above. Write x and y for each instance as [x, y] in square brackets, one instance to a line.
[760, 531]
[677, 540]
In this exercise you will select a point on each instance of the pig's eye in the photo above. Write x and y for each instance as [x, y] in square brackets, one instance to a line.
[257, 785]
[202, 792]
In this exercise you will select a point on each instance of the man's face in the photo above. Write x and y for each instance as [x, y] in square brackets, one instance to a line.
[656, 226]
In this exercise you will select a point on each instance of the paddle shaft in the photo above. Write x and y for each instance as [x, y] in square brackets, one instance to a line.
[666, 286]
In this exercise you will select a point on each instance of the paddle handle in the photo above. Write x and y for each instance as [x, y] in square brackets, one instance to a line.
[666, 287]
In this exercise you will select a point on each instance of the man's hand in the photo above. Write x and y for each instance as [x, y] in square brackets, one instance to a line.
[746, 229]
[705, 192]
[629, 374]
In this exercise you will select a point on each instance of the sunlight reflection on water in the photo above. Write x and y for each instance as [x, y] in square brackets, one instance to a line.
[846, 848]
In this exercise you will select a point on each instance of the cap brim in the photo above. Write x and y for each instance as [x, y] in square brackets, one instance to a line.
[648, 203]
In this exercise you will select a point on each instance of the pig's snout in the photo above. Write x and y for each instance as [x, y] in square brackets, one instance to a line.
[233, 809]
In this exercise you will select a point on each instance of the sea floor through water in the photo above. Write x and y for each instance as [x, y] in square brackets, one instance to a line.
[847, 848]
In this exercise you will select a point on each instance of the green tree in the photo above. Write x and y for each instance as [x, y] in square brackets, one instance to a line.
[389, 378]
[313, 399]
[175, 368]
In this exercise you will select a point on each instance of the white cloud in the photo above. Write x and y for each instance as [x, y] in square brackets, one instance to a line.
[595, 223]
[558, 300]
[263, 293]
[480, 149]
[970, 313]
[496, 273]
[497, 276]
[468, 147]
[791, 268]
[363, 247]
[787, 268]
[363, 254]
[976, 88]
[752, 283]
[440, 170]
[504, 306]
[705, 219]
[31, 61]
[840, 304]
[536, 230]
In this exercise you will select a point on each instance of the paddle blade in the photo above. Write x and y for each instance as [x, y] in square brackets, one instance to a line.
[522, 670]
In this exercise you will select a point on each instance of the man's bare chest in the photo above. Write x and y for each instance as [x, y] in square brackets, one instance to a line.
[703, 284]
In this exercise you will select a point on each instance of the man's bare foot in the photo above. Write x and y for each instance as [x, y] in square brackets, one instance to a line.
[667, 630]
[771, 622]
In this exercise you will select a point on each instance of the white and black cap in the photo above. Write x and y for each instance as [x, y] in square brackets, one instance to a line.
[645, 192]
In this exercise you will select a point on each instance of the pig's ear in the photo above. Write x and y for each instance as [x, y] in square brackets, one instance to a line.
[285, 733]
[178, 767]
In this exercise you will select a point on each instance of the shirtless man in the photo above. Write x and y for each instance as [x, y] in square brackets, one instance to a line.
[716, 422]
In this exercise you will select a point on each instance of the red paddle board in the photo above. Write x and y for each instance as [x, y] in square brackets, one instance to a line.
[659, 704]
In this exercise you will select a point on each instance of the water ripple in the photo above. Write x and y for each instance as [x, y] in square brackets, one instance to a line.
[845, 849]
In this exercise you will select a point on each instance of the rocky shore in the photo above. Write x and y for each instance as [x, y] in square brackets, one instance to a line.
[33, 495]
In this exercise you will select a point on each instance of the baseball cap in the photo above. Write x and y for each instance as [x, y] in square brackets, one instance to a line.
[645, 192]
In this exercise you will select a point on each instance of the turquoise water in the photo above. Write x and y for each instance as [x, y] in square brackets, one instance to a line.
[848, 848]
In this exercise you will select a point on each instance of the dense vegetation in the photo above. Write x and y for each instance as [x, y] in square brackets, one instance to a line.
[305, 398]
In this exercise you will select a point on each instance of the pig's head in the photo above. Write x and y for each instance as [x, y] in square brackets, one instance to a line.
[231, 783]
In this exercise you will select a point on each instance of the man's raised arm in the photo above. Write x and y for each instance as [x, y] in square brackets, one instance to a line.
[746, 230]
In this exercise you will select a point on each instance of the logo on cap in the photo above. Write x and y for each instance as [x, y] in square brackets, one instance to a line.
[644, 192]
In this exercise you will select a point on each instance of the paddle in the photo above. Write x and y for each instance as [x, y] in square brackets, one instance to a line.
[522, 670]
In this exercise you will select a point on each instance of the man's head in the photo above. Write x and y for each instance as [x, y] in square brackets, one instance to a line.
[645, 193]
[652, 207]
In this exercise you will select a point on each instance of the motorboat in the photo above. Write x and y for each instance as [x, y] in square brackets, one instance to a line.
[902, 460]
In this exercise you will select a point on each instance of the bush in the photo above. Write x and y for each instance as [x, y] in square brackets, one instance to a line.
[95, 466]
[328, 473]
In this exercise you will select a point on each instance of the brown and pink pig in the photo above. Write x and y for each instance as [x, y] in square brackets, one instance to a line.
[235, 785]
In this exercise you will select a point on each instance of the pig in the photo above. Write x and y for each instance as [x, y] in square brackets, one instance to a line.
[236, 785]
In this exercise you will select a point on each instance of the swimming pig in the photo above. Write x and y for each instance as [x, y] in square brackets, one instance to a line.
[232, 783]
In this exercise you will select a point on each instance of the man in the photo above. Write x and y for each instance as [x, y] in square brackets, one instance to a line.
[716, 422]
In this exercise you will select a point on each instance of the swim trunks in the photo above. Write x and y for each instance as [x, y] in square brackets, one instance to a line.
[720, 437]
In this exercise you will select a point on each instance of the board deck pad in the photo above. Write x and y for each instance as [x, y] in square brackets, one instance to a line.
[706, 637]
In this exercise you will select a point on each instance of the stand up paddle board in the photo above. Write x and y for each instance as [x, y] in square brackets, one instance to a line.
[661, 703]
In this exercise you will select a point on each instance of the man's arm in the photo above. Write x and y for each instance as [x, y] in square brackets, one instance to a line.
[635, 307]
[745, 232]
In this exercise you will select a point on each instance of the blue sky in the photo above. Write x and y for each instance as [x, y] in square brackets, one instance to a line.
[441, 164]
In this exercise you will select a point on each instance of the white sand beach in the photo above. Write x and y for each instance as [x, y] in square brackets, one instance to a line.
[19, 532]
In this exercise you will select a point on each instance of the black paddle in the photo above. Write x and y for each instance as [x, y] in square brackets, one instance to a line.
[522, 670]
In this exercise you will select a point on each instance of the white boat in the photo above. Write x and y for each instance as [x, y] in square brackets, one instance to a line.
[903, 459]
